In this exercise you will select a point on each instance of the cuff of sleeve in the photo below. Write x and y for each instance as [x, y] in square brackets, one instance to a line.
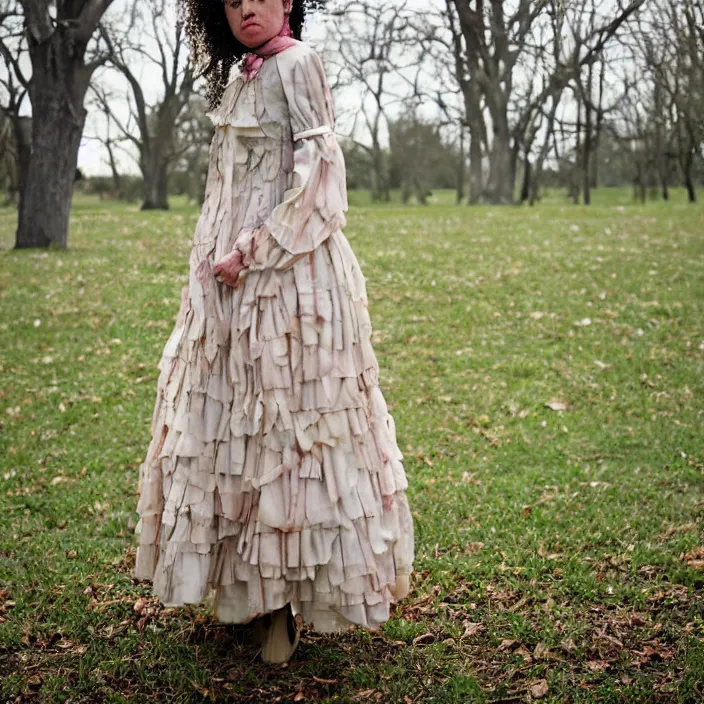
[314, 208]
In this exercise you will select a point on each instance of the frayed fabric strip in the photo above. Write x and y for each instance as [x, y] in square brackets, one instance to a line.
[312, 132]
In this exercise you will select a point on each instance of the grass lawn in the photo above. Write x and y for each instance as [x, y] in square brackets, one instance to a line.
[545, 369]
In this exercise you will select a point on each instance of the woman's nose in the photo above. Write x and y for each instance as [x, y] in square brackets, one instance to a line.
[248, 7]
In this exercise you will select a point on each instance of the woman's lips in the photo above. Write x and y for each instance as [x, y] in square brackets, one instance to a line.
[249, 23]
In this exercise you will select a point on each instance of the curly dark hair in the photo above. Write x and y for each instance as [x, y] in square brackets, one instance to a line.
[214, 48]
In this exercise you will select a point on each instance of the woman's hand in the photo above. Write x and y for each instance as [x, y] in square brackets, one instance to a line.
[229, 268]
[251, 249]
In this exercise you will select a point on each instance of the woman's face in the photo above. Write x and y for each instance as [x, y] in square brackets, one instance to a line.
[254, 22]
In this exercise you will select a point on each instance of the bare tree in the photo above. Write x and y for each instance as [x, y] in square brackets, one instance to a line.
[151, 127]
[56, 38]
[17, 128]
[102, 102]
[368, 49]
[417, 153]
[436, 82]
[492, 39]
[670, 45]
[193, 136]
[687, 84]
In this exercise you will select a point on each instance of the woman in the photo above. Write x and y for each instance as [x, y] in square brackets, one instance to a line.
[273, 482]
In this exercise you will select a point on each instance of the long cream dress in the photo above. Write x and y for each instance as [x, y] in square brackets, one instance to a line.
[273, 473]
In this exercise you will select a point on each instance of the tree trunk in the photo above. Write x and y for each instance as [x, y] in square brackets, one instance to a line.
[500, 186]
[586, 159]
[116, 178]
[587, 147]
[665, 190]
[476, 177]
[662, 163]
[689, 183]
[377, 176]
[540, 161]
[577, 149]
[460, 170]
[22, 132]
[596, 135]
[639, 182]
[515, 154]
[155, 184]
[525, 187]
[420, 190]
[59, 83]
[477, 140]
[686, 162]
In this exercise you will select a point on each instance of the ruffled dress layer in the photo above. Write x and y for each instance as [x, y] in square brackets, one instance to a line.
[273, 474]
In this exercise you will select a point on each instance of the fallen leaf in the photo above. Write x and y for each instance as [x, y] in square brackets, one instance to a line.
[424, 639]
[541, 651]
[471, 629]
[508, 644]
[539, 689]
[598, 665]
[469, 479]
[568, 645]
[473, 548]
[557, 405]
[694, 558]
[324, 681]
[661, 652]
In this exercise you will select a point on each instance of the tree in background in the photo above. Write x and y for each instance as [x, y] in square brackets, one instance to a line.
[15, 137]
[369, 49]
[152, 127]
[492, 41]
[56, 38]
[192, 139]
[672, 49]
[419, 158]
[102, 102]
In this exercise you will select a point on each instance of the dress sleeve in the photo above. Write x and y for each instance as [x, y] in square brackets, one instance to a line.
[316, 203]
